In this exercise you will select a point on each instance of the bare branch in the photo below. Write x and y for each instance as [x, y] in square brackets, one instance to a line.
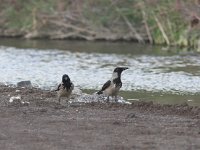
[162, 30]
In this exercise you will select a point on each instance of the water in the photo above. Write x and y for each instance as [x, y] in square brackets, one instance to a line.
[154, 74]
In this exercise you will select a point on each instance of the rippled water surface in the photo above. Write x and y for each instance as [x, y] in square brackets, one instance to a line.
[89, 65]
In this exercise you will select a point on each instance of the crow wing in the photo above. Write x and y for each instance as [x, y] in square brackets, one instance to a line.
[72, 86]
[105, 86]
[59, 86]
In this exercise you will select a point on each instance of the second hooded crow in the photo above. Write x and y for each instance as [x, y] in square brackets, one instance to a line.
[112, 87]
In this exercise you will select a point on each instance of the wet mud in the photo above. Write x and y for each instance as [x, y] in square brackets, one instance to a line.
[35, 120]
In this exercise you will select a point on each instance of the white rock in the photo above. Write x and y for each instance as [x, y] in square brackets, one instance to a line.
[14, 98]
[189, 100]
[17, 91]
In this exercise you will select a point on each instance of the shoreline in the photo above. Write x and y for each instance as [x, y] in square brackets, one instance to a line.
[51, 97]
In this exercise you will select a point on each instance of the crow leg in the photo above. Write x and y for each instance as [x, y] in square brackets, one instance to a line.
[67, 101]
[59, 99]
[116, 98]
[107, 99]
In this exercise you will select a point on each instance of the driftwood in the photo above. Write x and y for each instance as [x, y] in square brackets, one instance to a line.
[60, 35]
[71, 26]
[75, 28]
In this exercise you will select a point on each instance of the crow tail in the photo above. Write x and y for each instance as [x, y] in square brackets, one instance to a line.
[100, 92]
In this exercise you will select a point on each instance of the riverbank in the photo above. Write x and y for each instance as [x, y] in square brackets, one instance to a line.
[39, 122]
[155, 22]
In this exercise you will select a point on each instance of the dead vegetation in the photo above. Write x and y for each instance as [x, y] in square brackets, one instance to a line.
[148, 21]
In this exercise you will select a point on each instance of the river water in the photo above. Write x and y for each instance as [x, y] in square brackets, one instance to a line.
[163, 75]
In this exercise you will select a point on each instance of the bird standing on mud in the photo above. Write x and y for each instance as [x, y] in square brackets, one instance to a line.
[111, 87]
[65, 87]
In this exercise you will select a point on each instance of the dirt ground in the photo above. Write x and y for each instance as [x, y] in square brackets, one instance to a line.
[38, 122]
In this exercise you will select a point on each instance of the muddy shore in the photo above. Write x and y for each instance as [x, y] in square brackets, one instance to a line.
[41, 123]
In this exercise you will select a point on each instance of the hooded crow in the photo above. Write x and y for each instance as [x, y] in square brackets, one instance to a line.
[65, 87]
[111, 87]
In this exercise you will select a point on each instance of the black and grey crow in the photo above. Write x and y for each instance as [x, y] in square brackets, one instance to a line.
[65, 87]
[111, 87]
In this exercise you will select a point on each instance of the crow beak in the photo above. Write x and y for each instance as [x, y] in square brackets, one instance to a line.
[125, 68]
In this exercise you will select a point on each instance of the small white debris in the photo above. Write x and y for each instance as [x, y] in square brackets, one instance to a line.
[18, 100]
[122, 100]
[132, 99]
[25, 102]
[189, 100]
[17, 91]
[87, 98]
[14, 98]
